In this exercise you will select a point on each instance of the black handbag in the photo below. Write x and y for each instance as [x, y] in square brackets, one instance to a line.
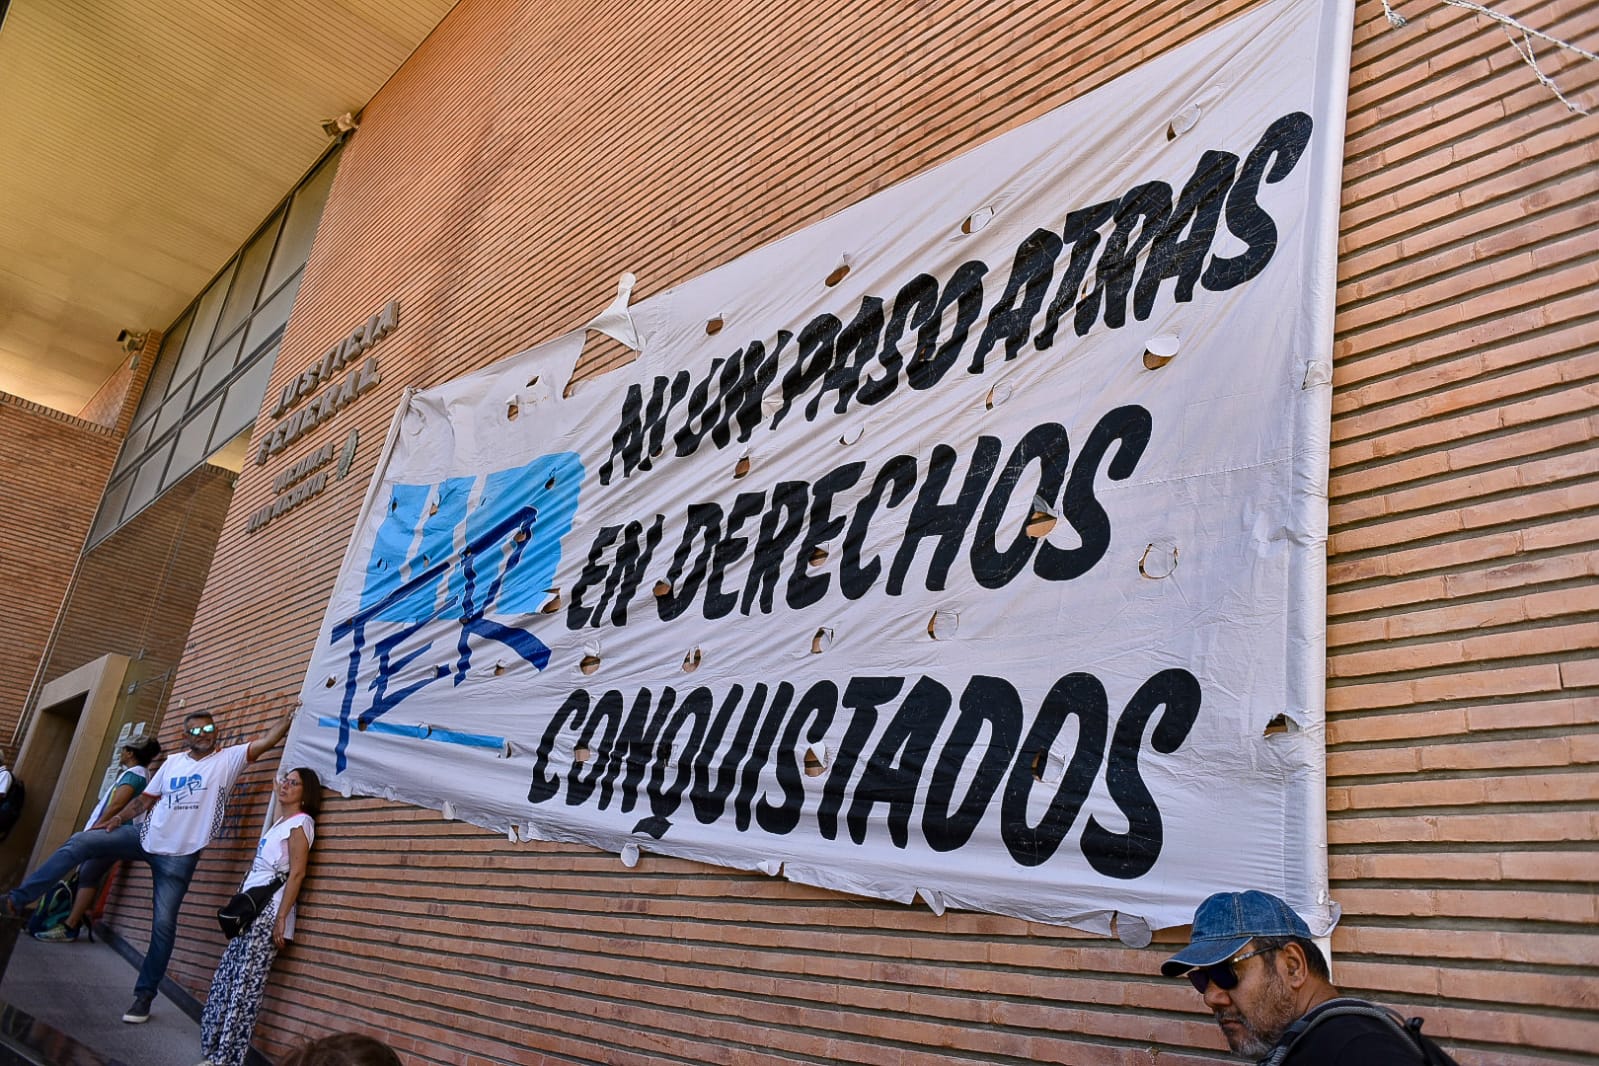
[239, 913]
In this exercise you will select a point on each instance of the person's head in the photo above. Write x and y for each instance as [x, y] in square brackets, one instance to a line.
[200, 732]
[301, 788]
[1254, 961]
[344, 1049]
[141, 751]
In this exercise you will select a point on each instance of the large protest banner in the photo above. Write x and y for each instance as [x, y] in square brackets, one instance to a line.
[968, 544]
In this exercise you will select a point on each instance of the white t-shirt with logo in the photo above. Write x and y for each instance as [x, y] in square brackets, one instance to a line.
[193, 799]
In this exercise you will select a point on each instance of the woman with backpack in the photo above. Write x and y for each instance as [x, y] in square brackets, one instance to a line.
[136, 757]
[280, 859]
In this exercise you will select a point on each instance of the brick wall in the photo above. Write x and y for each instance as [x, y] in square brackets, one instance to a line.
[524, 158]
[53, 468]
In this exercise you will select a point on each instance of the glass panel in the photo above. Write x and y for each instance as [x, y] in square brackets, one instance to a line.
[192, 440]
[111, 509]
[244, 396]
[273, 313]
[147, 482]
[205, 319]
[172, 410]
[247, 279]
[217, 367]
[294, 247]
[161, 375]
[132, 447]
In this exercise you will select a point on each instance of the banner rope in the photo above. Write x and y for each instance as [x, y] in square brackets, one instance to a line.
[1523, 46]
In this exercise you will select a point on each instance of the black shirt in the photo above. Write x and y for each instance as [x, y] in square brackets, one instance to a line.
[1352, 1040]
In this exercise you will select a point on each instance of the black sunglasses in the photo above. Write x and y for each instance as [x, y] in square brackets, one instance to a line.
[1222, 975]
[202, 729]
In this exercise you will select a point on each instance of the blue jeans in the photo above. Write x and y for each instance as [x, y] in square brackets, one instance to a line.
[170, 873]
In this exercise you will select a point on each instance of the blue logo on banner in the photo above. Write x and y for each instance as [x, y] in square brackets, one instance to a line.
[437, 554]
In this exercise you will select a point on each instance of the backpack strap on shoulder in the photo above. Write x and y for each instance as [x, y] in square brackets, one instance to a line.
[1344, 1006]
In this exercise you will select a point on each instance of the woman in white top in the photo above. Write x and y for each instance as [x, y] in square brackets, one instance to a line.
[240, 981]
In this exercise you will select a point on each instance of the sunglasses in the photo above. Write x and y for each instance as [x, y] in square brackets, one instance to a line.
[202, 730]
[1222, 975]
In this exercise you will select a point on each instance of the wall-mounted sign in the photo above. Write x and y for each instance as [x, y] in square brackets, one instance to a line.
[338, 393]
[305, 479]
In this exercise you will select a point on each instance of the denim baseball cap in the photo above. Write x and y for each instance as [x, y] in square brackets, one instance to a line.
[1227, 921]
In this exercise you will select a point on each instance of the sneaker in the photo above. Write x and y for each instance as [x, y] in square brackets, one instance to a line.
[57, 934]
[139, 1012]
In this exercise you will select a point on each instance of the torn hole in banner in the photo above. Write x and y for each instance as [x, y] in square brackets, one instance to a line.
[1132, 930]
[447, 811]
[1160, 350]
[741, 468]
[1318, 372]
[1281, 724]
[816, 759]
[770, 867]
[933, 898]
[839, 273]
[822, 640]
[1183, 121]
[629, 855]
[590, 663]
[943, 624]
[851, 434]
[1041, 519]
[691, 661]
[1159, 560]
[977, 220]
[997, 395]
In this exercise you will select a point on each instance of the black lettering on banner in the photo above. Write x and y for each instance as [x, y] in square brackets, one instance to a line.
[1049, 446]
[895, 766]
[607, 713]
[635, 746]
[944, 522]
[709, 800]
[704, 411]
[913, 307]
[750, 776]
[1132, 854]
[855, 347]
[1272, 159]
[1143, 210]
[780, 524]
[989, 703]
[546, 786]
[816, 342]
[627, 572]
[897, 477]
[863, 698]
[705, 525]
[641, 432]
[817, 707]
[1082, 233]
[965, 293]
[805, 588]
[1076, 695]
[745, 379]
[1029, 281]
[593, 572]
[1129, 427]
[665, 799]
[1176, 256]
[729, 549]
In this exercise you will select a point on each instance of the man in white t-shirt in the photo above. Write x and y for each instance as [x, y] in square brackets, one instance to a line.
[187, 800]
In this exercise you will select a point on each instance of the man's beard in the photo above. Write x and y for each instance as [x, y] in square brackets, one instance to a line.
[1273, 1013]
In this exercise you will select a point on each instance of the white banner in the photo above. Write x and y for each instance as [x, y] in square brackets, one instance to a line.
[968, 544]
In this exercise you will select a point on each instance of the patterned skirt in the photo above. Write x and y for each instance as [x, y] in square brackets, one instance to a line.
[236, 992]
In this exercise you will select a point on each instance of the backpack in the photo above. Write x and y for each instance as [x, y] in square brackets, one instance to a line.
[55, 905]
[11, 805]
[1410, 1029]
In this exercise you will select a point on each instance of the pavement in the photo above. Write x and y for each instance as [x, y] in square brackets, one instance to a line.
[81, 990]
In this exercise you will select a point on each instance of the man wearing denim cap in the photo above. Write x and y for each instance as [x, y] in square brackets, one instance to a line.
[1254, 961]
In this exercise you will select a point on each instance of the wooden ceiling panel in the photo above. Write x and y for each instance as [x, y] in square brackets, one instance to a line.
[143, 141]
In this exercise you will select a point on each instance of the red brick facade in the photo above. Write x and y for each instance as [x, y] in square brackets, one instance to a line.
[523, 158]
[53, 468]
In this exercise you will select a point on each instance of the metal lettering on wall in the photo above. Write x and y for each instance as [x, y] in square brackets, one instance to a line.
[338, 393]
[305, 479]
